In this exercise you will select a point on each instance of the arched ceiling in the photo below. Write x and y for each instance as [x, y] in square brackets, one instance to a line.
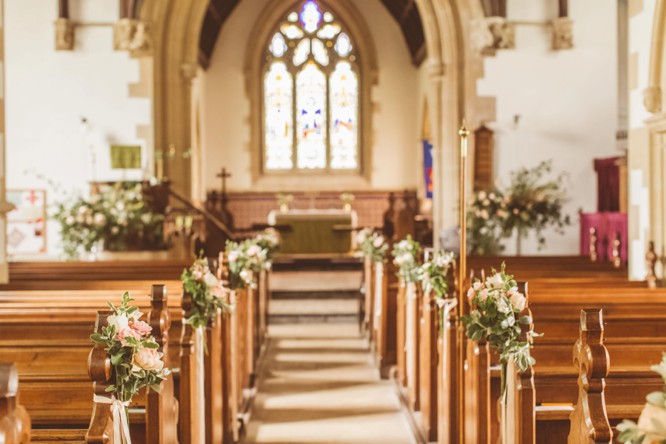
[405, 12]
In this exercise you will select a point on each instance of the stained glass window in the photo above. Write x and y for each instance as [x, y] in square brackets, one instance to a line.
[311, 94]
[344, 117]
[278, 94]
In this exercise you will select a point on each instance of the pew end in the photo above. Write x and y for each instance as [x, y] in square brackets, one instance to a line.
[589, 420]
[100, 371]
[14, 420]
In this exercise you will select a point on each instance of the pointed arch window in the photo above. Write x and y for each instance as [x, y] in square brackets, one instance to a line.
[311, 106]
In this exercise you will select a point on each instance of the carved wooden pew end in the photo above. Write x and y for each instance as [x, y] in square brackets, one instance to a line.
[14, 420]
[589, 420]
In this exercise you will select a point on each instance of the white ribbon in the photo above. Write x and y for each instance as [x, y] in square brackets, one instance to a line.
[201, 393]
[379, 287]
[121, 433]
[410, 337]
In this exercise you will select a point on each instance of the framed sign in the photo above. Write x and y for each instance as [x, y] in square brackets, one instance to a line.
[26, 223]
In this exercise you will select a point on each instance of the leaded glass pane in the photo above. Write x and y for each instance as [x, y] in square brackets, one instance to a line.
[311, 117]
[291, 31]
[344, 117]
[343, 45]
[329, 31]
[293, 17]
[319, 51]
[278, 46]
[310, 17]
[302, 52]
[328, 17]
[278, 96]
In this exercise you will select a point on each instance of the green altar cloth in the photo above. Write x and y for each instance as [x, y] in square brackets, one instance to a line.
[315, 233]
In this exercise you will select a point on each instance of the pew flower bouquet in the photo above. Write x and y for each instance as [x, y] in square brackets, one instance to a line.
[269, 241]
[405, 255]
[372, 244]
[257, 257]
[495, 317]
[133, 352]
[240, 265]
[432, 273]
[207, 292]
[651, 427]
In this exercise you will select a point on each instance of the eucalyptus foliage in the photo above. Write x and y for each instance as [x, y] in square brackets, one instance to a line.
[372, 244]
[133, 353]
[434, 271]
[495, 317]
[208, 294]
[405, 257]
[651, 427]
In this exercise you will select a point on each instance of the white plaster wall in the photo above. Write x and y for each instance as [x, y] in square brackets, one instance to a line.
[567, 102]
[226, 107]
[640, 42]
[48, 91]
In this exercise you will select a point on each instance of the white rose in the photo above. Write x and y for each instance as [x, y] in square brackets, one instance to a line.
[70, 220]
[483, 294]
[495, 281]
[210, 280]
[233, 256]
[120, 322]
[378, 242]
[653, 422]
[245, 275]
[502, 306]
[253, 250]
[481, 195]
[470, 293]
[518, 301]
[100, 219]
[477, 286]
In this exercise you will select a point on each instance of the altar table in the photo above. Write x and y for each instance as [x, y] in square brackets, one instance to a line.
[316, 233]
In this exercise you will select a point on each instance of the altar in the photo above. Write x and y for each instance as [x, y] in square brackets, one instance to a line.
[315, 233]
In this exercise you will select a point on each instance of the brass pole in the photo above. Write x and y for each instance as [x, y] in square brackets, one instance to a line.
[464, 134]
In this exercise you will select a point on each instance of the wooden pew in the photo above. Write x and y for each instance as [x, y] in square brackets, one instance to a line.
[14, 420]
[385, 322]
[51, 360]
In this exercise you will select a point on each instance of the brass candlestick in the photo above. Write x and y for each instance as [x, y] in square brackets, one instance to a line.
[462, 269]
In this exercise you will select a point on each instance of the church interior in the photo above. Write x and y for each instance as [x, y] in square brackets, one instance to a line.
[333, 221]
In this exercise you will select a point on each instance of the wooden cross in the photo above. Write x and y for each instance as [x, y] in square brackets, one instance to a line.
[224, 175]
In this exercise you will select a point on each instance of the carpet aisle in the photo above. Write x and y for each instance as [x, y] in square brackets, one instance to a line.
[318, 385]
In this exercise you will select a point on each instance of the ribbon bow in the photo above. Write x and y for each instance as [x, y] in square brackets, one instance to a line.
[121, 433]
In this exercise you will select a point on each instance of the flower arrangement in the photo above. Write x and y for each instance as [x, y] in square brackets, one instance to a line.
[532, 203]
[432, 273]
[207, 292]
[372, 244]
[269, 241]
[347, 199]
[405, 255]
[529, 203]
[117, 216]
[284, 200]
[241, 264]
[651, 427]
[133, 352]
[496, 306]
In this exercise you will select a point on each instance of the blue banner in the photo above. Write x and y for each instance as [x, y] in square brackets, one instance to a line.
[427, 168]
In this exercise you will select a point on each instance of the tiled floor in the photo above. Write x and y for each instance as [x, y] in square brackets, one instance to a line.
[318, 385]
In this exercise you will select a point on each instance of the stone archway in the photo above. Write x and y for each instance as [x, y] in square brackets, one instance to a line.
[452, 67]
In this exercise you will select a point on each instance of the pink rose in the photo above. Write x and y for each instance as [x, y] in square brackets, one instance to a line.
[148, 359]
[141, 327]
[125, 333]
[470, 293]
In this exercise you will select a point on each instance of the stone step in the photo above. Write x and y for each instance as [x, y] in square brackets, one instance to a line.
[306, 310]
[315, 294]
